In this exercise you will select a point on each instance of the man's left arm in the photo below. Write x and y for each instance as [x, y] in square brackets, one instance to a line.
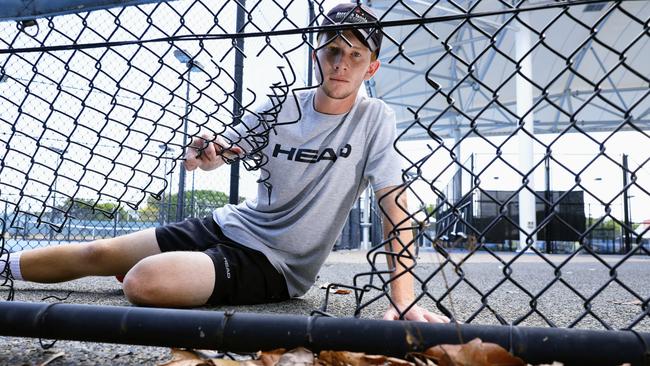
[397, 227]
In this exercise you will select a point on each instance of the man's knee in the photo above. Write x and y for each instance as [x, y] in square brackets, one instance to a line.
[142, 285]
[97, 252]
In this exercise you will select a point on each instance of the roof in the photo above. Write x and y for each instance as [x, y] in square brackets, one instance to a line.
[453, 73]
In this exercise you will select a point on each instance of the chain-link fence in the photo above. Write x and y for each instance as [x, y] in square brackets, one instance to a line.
[86, 224]
[88, 99]
[72, 219]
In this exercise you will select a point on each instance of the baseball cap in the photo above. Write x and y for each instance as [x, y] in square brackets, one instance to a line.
[353, 13]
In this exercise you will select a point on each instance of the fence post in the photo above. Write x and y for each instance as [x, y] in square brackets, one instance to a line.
[310, 65]
[192, 197]
[590, 239]
[5, 217]
[547, 196]
[180, 198]
[24, 227]
[626, 213]
[168, 208]
[117, 215]
[161, 209]
[524, 89]
[239, 81]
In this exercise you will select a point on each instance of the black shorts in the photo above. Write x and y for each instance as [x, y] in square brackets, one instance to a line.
[242, 275]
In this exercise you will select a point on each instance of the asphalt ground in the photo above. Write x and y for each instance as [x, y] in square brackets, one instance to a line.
[583, 274]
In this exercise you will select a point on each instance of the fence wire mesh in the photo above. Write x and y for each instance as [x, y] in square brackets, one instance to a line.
[95, 105]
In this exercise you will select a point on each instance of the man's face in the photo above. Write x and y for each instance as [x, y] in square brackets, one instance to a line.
[344, 68]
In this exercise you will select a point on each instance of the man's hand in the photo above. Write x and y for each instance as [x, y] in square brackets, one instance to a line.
[208, 155]
[416, 313]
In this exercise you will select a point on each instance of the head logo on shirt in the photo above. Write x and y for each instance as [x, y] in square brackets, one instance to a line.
[311, 156]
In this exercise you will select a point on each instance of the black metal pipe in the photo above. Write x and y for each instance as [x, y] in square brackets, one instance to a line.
[241, 332]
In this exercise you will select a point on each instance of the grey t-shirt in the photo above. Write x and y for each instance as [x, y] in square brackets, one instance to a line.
[318, 167]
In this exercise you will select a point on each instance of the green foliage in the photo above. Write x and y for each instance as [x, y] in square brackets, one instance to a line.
[607, 224]
[202, 204]
[82, 209]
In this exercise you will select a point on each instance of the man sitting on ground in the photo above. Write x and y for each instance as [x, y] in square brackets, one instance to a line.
[268, 250]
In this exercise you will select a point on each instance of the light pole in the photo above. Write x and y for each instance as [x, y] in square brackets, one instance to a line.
[168, 209]
[310, 65]
[592, 219]
[192, 66]
[548, 229]
[162, 210]
[239, 90]
[52, 214]
[626, 213]
[3, 78]
[192, 213]
[629, 207]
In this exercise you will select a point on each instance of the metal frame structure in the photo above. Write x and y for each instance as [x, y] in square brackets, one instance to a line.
[467, 41]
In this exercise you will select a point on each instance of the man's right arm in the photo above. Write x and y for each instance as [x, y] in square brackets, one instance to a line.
[208, 153]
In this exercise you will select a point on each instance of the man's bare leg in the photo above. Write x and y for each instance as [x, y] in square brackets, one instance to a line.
[103, 257]
[171, 279]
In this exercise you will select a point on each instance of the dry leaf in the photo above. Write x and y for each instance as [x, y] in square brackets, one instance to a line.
[224, 362]
[376, 359]
[340, 291]
[399, 362]
[186, 358]
[633, 302]
[297, 357]
[333, 289]
[421, 360]
[270, 358]
[383, 360]
[474, 353]
[342, 358]
[52, 358]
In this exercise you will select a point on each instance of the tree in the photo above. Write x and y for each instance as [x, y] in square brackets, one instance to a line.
[607, 224]
[201, 204]
[87, 209]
